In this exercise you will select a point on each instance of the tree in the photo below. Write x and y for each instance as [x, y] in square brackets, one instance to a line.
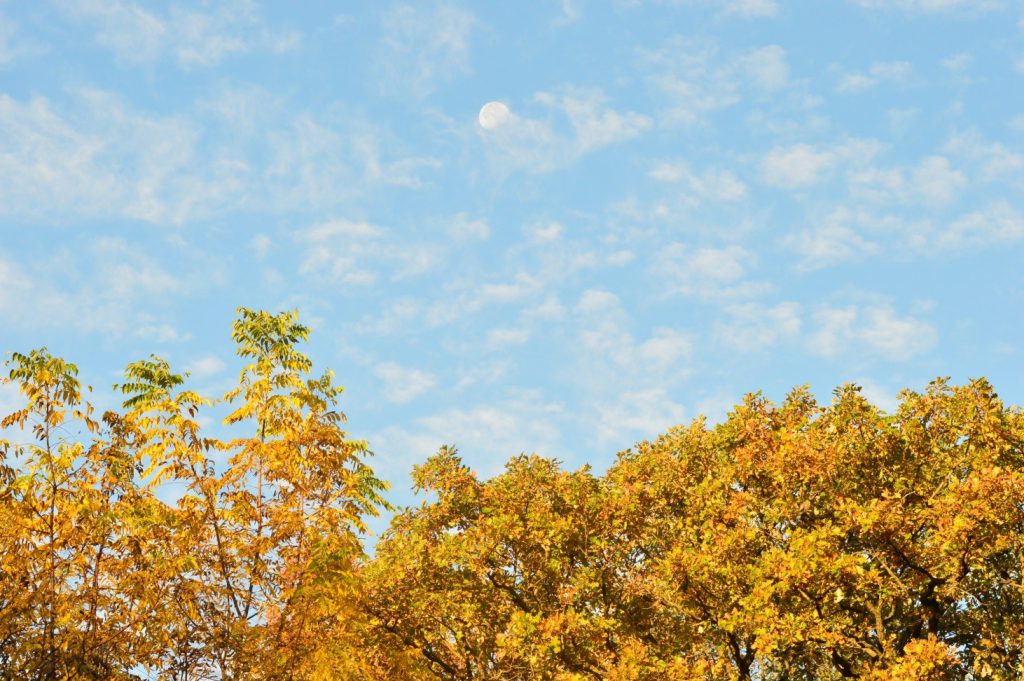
[74, 526]
[249, 573]
[790, 542]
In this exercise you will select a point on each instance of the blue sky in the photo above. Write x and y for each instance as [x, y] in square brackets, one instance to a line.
[690, 200]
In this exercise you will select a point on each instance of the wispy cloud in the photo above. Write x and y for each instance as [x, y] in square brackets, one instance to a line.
[706, 272]
[194, 36]
[13, 45]
[932, 5]
[998, 223]
[96, 156]
[746, 9]
[878, 73]
[486, 434]
[835, 240]
[636, 414]
[873, 329]
[696, 79]
[342, 251]
[111, 288]
[802, 165]
[757, 327]
[715, 184]
[424, 46]
[403, 384]
[579, 121]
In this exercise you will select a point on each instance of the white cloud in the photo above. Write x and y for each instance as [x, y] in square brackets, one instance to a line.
[998, 223]
[488, 373]
[958, 65]
[695, 79]
[830, 243]
[110, 288]
[665, 348]
[13, 45]
[991, 161]
[8, 29]
[548, 231]
[550, 309]
[752, 8]
[802, 165]
[503, 337]
[403, 384]
[260, 245]
[595, 124]
[542, 145]
[608, 356]
[878, 73]
[751, 327]
[872, 329]
[930, 5]
[486, 434]
[571, 12]
[462, 228]
[96, 157]
[193, 37]
[715, 184]
[105, 161]
[354, 252]
[626, 378]
[882, 397]
[424, 46]
[403, 172]
[766, 67]
[705, 272]
[344, 228]
[160, 332]
[338, 250]
[205, 367]
[520, 287]
[595, 300]
[932, 182]
[936, 182]
[620, 258]
[745, 9]
[636, 414]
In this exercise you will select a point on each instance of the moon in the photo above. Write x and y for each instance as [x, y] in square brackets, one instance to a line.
[493, 115]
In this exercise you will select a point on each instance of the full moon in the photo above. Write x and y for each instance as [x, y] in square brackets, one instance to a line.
[493, 115]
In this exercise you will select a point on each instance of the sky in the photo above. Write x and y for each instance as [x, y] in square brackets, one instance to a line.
[689, 200]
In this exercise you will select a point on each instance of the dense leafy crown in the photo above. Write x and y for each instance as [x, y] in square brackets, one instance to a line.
[792, 541]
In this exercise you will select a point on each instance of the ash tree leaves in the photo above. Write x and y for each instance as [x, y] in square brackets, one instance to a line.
[250, 574]
[793, 541]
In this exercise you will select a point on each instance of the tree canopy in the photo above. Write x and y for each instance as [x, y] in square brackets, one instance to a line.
[791, 541]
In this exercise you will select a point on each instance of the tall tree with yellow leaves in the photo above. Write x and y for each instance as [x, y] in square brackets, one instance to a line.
[251, 571]
[75, 529]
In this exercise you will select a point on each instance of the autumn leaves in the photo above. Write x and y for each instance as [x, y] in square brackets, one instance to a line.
[791, 542]
[247, 575]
